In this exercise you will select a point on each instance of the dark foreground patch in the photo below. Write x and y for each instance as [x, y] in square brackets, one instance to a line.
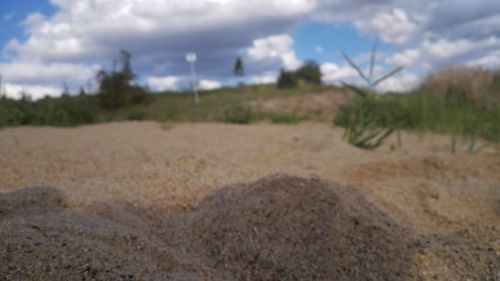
[278, 228]
[285, 228]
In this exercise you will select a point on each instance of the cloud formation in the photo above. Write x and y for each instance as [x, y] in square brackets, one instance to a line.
[157, 32]
[83, 35]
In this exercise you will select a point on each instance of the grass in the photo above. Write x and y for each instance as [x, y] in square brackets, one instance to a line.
[215, 105]
[226, 105]
[423, 111]
[461, 101]
[284, 118]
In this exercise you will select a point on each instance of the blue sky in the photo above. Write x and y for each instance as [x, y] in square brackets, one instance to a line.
[14, 12]
[47, 43]
[324, 42]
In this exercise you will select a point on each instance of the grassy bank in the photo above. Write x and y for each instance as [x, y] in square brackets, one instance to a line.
[461, 102]
[222, 105]
[422, 112]
[468, 110]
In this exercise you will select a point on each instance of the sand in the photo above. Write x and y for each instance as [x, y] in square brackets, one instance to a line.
[117, 187]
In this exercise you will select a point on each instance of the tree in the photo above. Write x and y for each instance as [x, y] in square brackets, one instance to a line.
[239, 69]
[65, 91]
[82, 92]
[125, 58]
[287, 79]
[1, 86]
[116, 89]
[309, 73]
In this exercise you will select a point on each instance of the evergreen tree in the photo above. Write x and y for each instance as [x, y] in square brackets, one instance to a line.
[116, 89]
[239, 69]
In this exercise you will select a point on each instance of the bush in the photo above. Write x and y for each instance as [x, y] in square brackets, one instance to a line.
[287, 80]
[137, 115]
[239, 115]
[63, 111]
[281, 118]
[310, 73]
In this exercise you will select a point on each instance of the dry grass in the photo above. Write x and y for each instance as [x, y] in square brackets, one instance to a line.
[475, 85]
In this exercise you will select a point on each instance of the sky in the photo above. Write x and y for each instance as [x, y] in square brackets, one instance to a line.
[47, 43]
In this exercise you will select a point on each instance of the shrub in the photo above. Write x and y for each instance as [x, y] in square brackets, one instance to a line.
[63, 111]
[287, 80]
[282, 118]
[309, 73]
[239, 115]
[137, 115]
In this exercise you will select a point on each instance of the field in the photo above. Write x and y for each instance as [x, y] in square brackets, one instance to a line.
[213, 201]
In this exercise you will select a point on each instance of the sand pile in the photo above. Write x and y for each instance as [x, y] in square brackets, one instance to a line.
[42, 239]
[278, 228]
[287, 228]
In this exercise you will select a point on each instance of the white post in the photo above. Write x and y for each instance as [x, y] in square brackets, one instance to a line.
[191, 59]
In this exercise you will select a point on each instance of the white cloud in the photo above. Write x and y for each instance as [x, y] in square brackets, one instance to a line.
[82, 34]
[408, 57]
[35, 92]
[402, 82]
[158, 33]
[335, 74]
[425, 34]
[319, 50]
[265, 78]
[85, 29]
[39, 73]
[491, 60]
[174, 83]
[392, 26]
[209, 84]
[444, 48]
[275, 47]
[168, 83]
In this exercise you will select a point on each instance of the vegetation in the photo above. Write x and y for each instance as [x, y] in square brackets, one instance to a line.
[239, 69]
[361, 117]
[63, 111]
[282, 118]
[116, 90]
[239, 115]
[287, 80]
[463, 102]
[309, 74]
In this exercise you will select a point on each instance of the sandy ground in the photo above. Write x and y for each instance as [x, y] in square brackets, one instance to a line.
[322, 106]
[178, 166]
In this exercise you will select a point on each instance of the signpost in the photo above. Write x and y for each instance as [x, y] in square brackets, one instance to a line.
[191, 58]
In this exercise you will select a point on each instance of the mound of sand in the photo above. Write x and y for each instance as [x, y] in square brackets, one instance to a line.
[287, 228]
[42, 239]
[278, 228]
